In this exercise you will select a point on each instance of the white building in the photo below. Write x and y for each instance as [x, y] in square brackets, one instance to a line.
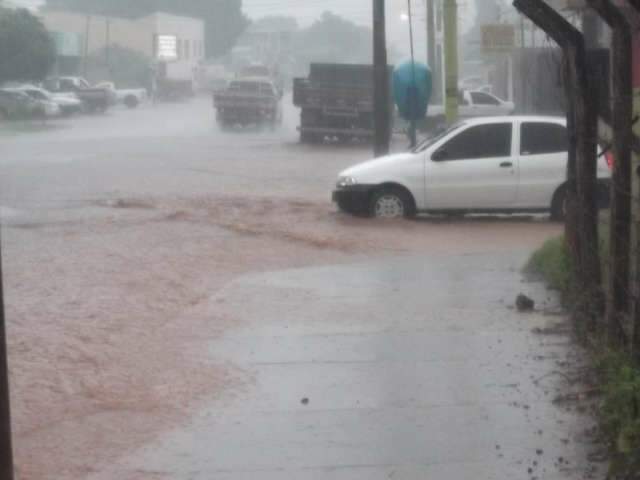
[177, 43]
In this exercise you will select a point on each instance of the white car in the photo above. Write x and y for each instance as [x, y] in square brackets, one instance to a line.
[45, 106]
[67, 103]
[498, 164]
[475, 103]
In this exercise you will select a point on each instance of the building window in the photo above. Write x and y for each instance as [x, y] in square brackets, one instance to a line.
[187, 52]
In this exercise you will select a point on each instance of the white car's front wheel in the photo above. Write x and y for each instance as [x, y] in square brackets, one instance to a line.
[391, 203]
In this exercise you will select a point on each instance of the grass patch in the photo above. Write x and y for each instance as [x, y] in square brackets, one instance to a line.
[553, 263]
[619, 375]
[620, 412]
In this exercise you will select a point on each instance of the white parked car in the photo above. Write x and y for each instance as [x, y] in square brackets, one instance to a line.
[475, 103]
[498, 164]
[68, 103]
[45, 106]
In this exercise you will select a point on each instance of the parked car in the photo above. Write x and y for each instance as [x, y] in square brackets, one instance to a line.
[15, 105]
[94, 99]
[497, 164]
[475, 103]
[130, 97]
[68, 104]
[44, 107]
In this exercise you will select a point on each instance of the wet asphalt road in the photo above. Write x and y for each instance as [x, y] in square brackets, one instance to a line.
[186, 304]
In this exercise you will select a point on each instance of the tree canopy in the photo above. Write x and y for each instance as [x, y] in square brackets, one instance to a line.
[224, 19]
[27, 52]
[281, 23]
[334, 39]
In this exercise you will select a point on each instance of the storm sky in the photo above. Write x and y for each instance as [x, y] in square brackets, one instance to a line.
[306, 11]
[359, 11]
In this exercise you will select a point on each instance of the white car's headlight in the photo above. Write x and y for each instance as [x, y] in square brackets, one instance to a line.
[346, 182]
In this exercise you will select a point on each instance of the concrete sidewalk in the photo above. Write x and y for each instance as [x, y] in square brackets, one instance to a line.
[408, 368]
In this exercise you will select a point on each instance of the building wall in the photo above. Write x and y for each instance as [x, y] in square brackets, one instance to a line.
[136, 34]
[101, 31]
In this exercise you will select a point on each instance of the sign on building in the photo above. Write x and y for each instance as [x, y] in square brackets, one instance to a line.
[67, 44]
[499, 37]
[166, 47]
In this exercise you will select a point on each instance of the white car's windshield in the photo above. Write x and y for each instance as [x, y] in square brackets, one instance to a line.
[439, 134]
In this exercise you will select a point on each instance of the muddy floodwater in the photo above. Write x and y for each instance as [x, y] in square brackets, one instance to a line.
[172, 290]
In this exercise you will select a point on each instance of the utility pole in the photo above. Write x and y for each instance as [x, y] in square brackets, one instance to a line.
[414, 86]
[451, 59]
[107, 45]
[381, 99]
[6, 449]
[523, 99]
[86, 45]
[431, 46]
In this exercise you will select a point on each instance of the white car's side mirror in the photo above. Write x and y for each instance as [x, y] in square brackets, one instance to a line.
[439, 155]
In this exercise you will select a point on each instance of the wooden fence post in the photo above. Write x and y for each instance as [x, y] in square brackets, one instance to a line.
[620, 218]
[582, 118]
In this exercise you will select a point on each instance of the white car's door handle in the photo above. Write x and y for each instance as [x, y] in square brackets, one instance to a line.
[506, 165]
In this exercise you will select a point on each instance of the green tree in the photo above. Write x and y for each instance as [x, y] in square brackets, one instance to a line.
[336, 40]
[275, 23]
[27, 51]
[224, 19]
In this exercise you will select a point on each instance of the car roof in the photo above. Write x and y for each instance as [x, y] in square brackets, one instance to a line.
[516, 118]
[22, 88]
[14, 91]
